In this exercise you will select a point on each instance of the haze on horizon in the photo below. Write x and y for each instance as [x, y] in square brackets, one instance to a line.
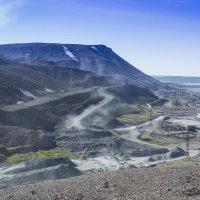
[160, 37]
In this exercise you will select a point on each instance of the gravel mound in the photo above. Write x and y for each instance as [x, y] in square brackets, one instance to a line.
[36, 170]
[181, 183]
[177, 152]
[42, 163]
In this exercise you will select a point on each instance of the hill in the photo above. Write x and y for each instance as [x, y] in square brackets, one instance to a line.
[98, 59]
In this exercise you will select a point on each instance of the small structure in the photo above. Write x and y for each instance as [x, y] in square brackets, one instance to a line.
[180, 125]
[121, 166]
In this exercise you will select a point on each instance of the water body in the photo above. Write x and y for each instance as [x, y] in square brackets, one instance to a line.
[189, 83]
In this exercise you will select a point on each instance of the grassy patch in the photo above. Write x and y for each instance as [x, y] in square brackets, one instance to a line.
[12, 150]
[7, 151]
[55, 153]
[138, 114]
[147, 138]
[179, 163]
[40, 154]
[134, 118]
[20, 157]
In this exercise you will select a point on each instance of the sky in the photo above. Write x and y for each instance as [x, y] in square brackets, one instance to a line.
[159, 37]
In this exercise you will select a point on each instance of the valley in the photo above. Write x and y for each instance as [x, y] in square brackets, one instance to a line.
[99, 100]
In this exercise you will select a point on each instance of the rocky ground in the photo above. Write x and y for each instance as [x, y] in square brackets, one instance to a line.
[36, 170]
[141, 184]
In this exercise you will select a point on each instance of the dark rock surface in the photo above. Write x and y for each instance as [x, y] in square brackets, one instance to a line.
[149, 152]
[177, 152]
[16, 136]
[98, 59]
[36, 170]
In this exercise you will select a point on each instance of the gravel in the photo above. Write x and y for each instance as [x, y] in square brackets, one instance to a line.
[182, 183]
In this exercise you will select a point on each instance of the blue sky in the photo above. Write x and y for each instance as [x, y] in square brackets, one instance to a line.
[157, 36]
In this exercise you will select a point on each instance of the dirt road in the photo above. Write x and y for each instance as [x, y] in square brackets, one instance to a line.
[43, 100]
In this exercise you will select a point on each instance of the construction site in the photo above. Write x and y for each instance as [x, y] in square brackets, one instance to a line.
[181, 126]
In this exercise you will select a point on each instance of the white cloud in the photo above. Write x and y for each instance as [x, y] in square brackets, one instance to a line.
[7, 8]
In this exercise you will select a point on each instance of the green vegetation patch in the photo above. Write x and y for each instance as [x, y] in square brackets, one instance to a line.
[40, 154]
[138, 114]
[13, 150]
[136, 118]
[20, 157]
[22, 153]
[7, 151]
[147, 138]
[179, 163]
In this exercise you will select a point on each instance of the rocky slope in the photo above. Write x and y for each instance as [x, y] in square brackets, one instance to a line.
[43, 75]
[57, 100]
[25, 82]
[36, 170]
[98, 59]
[142, 184]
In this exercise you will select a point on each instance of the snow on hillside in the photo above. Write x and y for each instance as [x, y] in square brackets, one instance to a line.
[69, 53]
[93, 47]
[20, 102]
[48, 90]
[27, 93]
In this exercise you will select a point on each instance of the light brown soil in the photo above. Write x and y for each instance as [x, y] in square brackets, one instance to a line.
[139, 184]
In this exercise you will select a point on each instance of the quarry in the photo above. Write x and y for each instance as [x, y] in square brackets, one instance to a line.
[67, 123]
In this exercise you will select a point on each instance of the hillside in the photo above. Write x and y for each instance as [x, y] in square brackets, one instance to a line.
[98, 59]
[141, 184]
[57, 100]
[22, 82]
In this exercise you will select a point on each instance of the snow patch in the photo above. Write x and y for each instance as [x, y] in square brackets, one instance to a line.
[27, 93]
[70, 54]
[48, 90]
[20, 102]
[93, 47]
[27, 54]
[148, 105]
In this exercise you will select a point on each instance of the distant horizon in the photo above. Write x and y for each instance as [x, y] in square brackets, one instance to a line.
[157, 36]
[97, 45]
[175, 76]
[51, 43]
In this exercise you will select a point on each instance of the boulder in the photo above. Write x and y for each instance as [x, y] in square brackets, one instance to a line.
[177, 152]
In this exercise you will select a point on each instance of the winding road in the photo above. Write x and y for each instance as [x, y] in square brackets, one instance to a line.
[128, 133]
[44, 99]
[76, 122]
